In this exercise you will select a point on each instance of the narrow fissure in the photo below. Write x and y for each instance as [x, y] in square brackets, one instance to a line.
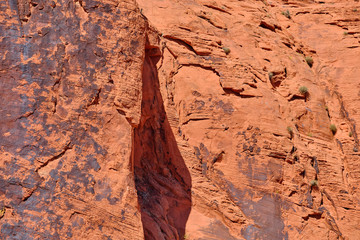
[162, 179]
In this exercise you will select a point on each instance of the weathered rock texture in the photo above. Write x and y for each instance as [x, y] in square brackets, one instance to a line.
[164, 119]
[70, 95]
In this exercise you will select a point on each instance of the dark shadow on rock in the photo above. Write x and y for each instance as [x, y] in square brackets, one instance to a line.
[162, 179]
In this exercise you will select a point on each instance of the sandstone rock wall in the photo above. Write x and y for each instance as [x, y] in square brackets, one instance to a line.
[168, 119]
[70, 95]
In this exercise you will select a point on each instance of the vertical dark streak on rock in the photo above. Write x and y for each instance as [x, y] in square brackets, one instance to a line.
[350, 120]
[14, 5]
[162, 179]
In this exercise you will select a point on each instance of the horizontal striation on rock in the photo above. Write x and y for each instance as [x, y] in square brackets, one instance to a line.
[263, 160]
[164, 119]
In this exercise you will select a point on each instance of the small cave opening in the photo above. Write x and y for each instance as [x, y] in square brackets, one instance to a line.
[162, 180]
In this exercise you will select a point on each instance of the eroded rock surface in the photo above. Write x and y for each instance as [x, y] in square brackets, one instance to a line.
[164, 119]
[71, 84]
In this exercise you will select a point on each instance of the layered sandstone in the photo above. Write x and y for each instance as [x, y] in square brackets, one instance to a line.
[166, 119]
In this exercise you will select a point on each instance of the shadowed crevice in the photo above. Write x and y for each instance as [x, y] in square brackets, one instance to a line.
[162, 179]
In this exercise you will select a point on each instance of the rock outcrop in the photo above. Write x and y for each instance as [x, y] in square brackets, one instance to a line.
[71, 84]
[166, 119]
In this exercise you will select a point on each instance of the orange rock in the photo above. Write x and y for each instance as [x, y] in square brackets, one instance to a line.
[128, 120]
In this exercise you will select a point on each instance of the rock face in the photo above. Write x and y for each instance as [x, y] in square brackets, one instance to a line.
[71, 84]
[164, 119]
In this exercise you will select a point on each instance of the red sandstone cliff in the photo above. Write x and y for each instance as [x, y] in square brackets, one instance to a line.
[166, 119]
